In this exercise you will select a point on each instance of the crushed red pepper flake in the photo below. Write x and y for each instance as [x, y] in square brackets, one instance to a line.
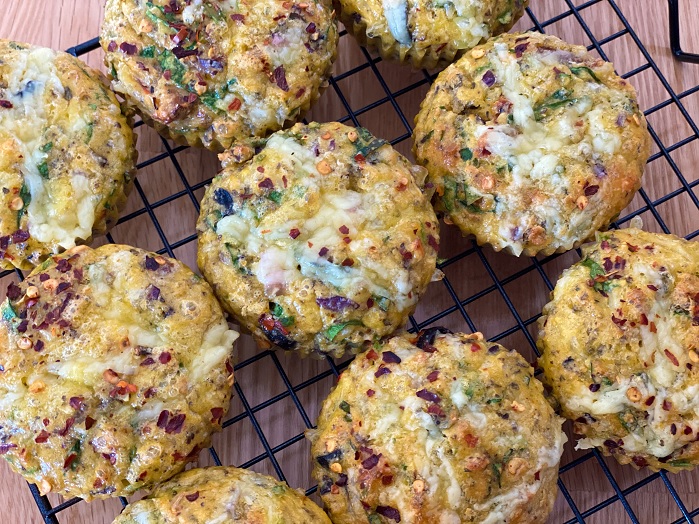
[652, 327]
[294, 233]
[434, 375]
[370, 393]
[671, 357]
[42, 437]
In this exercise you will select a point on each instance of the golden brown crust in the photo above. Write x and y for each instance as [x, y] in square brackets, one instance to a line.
[67, 154]
[437, 428]
[213, 73]
[320, 243]
[427, 33]
[114, 371]
[532, 143]
[224, 495]
[619, 346]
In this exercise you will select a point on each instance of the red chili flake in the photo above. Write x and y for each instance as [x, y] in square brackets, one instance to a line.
[537, 475]
[652, 287]
[652, 327]
[76, 402]
[388, 512]
[387, 480]
[433, 243]
[89, 422]
[229, 366]
[280, 78]
[649, 401]
[475, 348]
[671, 357]
[127, 48]
[192, 496]
[66, 428]
[429, 396]
[260, 169]
[69, 460]
[180, 36]
[167, 74]
[382, 371]
[371, 462]
[294, 233]
[667, 405]
[389, 357]
[236, 17]
[605, 245]
[644, 319]
[370, 393]
[344, 229]
[163, 419]
[111, 457]
[348, 262]
[471, 440]
[299, 94]
[175, 424]
[359, 158]
[372, 355]
[165, 357]
[150, 392]
[285, 182]
[143, 475]
[618, 321]
[42, 437]
[148, 362]
[631, 247]
[433, 376]
[640, 461]
[591, 190]
[216, 415]
[266, 184]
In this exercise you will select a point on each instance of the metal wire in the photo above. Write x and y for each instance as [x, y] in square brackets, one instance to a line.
[460, 304]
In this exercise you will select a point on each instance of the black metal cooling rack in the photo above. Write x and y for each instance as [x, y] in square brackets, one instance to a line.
[459, 304]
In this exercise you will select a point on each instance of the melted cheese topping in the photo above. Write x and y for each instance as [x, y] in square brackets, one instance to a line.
[35, 90]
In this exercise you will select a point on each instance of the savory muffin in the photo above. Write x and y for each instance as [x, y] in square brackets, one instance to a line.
[320, 243]
[224, 495]
[533, 144]
[437, 428]
[620, 348]
[67, 156]
[427, 33]
[211, 73]
[114, 371]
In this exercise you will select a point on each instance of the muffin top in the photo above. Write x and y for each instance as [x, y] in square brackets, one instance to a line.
[114, 371]
[620, 348]
[437, 428]
[427, 33]
[66, 154]
[321, 242]
[211, 73]
[532, 143]
[224, 495]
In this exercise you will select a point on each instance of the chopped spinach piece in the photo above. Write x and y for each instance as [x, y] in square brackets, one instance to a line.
[276, 196]
[466, 154]
[43, 169]
[333, 330]
[577, 71]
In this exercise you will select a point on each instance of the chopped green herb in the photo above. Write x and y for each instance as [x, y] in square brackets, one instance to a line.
[278, 313]
[680, 463]
[374, 519]
[90, 131]
[169, 62]
[43, 169]
[333, 330]
[367, 143]
[595, 269]
[278, 489]
[46, 147]
[383, 303]
[344, 406]
[466, 154]
[560, 98]
[494, 400]
[8, 312]
[26, 197]
[276, 196]
[147, 52]
[577, 71]
[427, 136]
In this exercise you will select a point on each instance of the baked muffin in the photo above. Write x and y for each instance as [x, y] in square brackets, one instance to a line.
[223, 495]
[427, 33]
[620, 343]
[533, 144]
[320, 243]
[437, 428]
[211, 73]
[67, 156]
[114, 371]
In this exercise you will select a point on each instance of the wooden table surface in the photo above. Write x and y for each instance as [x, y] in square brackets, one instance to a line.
[63, 23]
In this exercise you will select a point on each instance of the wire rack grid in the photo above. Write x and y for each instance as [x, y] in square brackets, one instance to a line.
[482, 291]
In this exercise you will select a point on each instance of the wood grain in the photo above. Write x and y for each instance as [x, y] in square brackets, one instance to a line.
[64, 23]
